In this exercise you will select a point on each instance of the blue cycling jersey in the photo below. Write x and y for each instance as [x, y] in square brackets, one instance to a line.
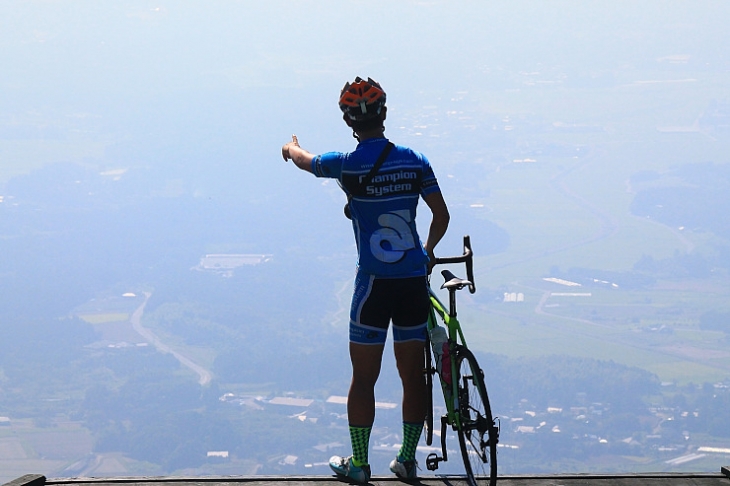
[384, 211]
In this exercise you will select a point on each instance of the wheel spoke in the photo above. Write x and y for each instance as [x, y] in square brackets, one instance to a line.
[477, 426]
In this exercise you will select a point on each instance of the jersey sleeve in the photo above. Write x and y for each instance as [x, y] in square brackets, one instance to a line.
[429, 184]
[328, 165]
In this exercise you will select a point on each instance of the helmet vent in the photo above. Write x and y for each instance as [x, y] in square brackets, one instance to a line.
[362, 99]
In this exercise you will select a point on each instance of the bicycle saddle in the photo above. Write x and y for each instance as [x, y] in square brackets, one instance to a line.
[452, 281]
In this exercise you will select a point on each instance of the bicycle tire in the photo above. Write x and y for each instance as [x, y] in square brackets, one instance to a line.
[478, 433]
[428, 423]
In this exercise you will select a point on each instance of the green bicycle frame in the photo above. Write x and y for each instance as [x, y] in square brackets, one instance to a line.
[455, 335]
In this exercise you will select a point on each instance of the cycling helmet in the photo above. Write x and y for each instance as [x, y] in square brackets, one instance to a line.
[362, 99]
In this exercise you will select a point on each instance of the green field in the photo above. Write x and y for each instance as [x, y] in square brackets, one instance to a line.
[27, 448]
[622, 326]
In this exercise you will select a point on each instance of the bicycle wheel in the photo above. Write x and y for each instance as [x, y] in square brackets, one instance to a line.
[428, 425]
[478, 432]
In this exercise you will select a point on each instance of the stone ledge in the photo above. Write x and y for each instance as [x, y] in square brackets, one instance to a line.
[28, 480]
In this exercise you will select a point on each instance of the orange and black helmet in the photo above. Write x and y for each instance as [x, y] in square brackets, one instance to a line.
[362, 99]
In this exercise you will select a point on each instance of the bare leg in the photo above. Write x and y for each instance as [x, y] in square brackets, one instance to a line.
[409, 358]
[366, 360]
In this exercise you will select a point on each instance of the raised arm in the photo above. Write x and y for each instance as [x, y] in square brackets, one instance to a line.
[298, 155]
[439, 223]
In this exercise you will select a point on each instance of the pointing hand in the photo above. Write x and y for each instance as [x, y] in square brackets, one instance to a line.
[285, 149]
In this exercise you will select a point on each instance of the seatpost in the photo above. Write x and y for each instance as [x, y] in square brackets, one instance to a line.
[452, 302]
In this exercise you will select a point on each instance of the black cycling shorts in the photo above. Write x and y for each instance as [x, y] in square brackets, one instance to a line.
[377, 301]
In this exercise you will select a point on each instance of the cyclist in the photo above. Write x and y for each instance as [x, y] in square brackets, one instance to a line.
[391, 279]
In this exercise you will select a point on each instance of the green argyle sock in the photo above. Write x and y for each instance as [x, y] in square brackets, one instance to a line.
[360, 438]
[411, 436]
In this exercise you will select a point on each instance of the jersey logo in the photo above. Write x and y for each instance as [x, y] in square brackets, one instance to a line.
[394, 238]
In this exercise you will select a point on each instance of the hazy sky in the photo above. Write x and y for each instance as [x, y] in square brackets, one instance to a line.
[208, 91]
[116, 60]
[202, 94]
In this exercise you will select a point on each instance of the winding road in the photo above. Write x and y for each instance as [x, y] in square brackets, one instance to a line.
[204, 375]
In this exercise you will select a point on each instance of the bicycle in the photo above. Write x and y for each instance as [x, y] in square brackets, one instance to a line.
[462, 382]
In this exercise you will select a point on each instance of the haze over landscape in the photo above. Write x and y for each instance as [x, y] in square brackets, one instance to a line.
[174, 297]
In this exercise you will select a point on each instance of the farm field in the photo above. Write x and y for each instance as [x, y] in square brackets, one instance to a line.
[26, 447]
[655, 330]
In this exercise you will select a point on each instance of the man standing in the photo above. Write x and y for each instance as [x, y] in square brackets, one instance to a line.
[383, 183]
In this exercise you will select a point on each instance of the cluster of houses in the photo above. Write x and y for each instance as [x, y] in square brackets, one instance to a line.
[525, 423]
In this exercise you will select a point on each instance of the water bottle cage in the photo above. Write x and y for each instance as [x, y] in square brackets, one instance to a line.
[443, 363]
